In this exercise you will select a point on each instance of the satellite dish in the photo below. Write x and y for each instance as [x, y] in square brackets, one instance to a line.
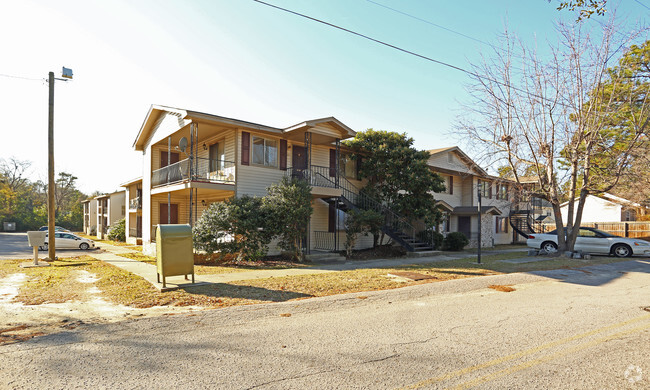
[182, 144]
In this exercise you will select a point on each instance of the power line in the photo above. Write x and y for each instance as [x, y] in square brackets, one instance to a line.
[643, 5]
[404, 50]
[20, 77]
[435, 24]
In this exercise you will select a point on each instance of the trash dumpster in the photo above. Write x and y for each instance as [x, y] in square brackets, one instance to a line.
[174, 251]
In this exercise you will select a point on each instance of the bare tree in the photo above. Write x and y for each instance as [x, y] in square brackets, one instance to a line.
[547, 113]
[13, 173]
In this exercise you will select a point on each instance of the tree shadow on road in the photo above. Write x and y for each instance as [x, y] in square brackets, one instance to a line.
[597, 274]
[225, 290]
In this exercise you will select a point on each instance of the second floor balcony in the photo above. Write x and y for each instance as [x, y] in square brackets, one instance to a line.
[135, 204]
[199, 170]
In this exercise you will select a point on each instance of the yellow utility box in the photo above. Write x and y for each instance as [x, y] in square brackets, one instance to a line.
[174, 251]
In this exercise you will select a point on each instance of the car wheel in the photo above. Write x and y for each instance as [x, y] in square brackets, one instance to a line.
[84, 246]
[43, 247]
[549, 246]
[621, 250]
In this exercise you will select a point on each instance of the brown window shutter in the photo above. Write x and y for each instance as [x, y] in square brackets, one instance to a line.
[283, 154]
[163, 159]
[331, 220]
[489, 190]
[245, 147]
[451, 185]
[332, 162]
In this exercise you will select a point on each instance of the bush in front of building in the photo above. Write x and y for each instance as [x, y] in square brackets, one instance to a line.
[239, 225]
[118, 231]
[455, 241]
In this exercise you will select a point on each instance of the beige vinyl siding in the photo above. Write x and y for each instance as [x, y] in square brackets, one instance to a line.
[450, 161]
[326, 130]
[467, 188]
[254, 179]
[320, 156]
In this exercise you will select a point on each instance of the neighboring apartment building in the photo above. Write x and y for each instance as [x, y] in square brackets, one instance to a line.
[459, 203]
[134, 209]
[192, 159]
[90, 216]
[110, 209]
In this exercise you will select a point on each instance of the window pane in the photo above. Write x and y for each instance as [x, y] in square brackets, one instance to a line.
[271, 153]
[258, 150]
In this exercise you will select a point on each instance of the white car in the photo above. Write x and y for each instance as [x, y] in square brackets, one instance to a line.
[69, 241]
[592, 240]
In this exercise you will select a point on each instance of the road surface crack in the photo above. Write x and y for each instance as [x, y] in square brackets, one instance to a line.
[290, 378]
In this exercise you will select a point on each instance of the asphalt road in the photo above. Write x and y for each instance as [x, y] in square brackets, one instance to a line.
[560, 329]
[15, 246]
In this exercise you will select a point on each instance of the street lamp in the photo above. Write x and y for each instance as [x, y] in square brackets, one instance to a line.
[66, 75]
[480, 188]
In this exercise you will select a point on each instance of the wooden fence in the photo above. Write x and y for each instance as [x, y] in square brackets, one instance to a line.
[622, 229]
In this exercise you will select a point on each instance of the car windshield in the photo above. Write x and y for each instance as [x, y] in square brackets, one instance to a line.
[591, 232]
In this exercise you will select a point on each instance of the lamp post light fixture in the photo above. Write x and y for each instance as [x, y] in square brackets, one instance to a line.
[66, 75]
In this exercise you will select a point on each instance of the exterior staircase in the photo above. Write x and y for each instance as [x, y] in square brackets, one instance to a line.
[395, 226]
[520, 220]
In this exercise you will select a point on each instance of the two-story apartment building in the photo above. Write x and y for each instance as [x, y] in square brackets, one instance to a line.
[464, 179]
[110, 209]
[90, 216]
[192, 159]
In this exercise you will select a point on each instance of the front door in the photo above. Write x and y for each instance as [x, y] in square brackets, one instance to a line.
[138, 226]
[465, 226]
[163, 214]
[299, 161]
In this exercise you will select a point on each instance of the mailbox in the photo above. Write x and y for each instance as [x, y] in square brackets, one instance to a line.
[36, 238]
[174, 255]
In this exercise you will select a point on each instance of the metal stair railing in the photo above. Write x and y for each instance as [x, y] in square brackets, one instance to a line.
[394, 224]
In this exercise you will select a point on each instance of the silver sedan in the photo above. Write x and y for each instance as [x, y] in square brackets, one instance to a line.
[592, 240]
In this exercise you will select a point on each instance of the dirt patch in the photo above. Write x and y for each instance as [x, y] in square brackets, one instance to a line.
[502, 288]
[35, 302]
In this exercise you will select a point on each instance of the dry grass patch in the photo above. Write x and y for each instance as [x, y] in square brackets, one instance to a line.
[502, 288]
[214, 265]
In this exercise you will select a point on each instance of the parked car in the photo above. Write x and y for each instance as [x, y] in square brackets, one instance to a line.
[56, 229]
[65, 240]
[592, 240]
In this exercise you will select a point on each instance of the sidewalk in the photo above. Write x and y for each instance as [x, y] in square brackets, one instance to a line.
[148, 271]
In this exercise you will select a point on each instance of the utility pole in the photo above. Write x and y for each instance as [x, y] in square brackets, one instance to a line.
[51, 241]
[51, 250]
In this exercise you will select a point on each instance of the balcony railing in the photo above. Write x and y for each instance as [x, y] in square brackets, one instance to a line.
[317, 176]
[135, 204]
[202, 170]
[135, 232]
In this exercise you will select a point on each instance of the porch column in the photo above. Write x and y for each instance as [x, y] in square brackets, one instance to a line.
[336, 164]
[308, 149]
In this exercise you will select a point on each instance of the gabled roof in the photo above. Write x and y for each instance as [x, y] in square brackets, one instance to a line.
[108, 195]
[464, 157]
[315, 122]
[155, 111]
[132, 181]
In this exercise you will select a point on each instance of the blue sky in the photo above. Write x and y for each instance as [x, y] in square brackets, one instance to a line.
[243, 60]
